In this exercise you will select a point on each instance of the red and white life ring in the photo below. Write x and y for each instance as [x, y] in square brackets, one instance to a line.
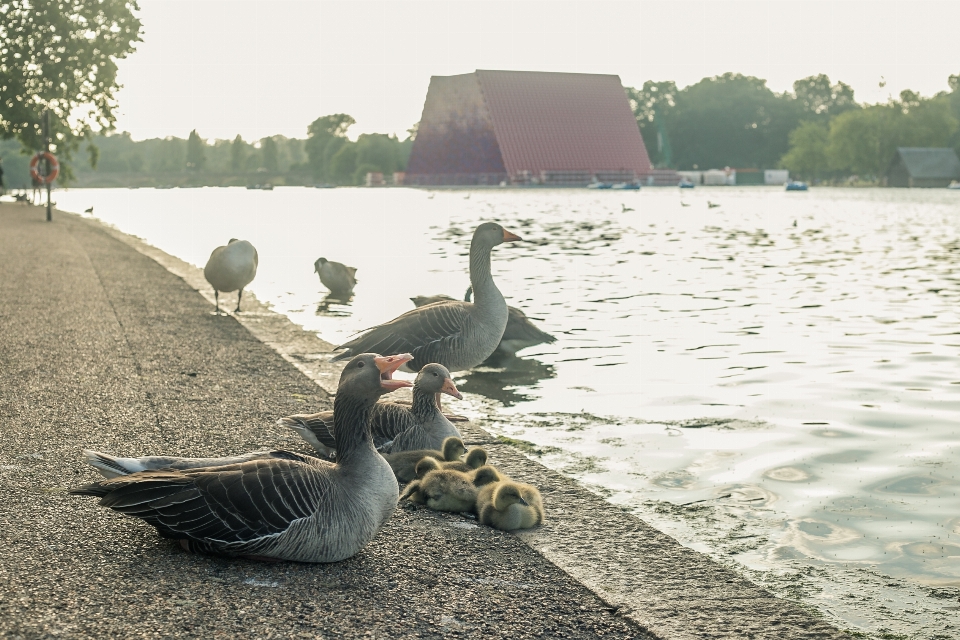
[53, 167]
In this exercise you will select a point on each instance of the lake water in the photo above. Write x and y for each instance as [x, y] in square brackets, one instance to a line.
[774, 380]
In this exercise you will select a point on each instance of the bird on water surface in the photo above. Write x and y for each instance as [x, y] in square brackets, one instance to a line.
[302, 509]
[458, 335]
[519, 333]
[231, 268]
[395, 426]
[337, 277]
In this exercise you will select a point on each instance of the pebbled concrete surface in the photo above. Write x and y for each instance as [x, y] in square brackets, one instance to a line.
[102, 346]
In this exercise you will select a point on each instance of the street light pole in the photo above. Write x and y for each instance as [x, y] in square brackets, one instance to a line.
[46, 149]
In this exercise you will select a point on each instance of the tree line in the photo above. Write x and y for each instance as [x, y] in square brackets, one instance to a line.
[61, 58]
[817, 131]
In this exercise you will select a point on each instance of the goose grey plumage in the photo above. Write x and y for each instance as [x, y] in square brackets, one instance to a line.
[395, 426]
[231, 268]
[520, 333]
[458, 335]
[111, 466]
[336, 276]
[306, 509]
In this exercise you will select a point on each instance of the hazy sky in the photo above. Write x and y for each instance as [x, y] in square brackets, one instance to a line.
[264, 67]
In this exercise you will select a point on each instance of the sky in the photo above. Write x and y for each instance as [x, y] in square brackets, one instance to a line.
[264, 67]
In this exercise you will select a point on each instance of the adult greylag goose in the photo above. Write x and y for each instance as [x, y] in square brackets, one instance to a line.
[337, 277]
[305, 510]
[395, 426]
[519, 333]
[404, 463]
[458, 335]
[509, 505]
[231, 268]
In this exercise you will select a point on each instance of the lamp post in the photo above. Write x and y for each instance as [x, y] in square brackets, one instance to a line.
[46, 149]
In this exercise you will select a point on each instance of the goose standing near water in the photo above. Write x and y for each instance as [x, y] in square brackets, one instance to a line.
[519, 333]
[231, 268]
[337, 277]
[303, 509]
[395, 427]
[458, 335]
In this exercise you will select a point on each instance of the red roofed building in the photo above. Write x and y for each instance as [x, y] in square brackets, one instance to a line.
[525, 127]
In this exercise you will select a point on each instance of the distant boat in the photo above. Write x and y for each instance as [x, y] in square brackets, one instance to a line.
[954, 185]
[626, 186]
[324, 186]
[686, 184]
[796, 185]
[261, 187]
[600, 185]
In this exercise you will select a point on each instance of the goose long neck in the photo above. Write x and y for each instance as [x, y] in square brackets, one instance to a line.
[351, 425]
[480, 275]
[424, 404]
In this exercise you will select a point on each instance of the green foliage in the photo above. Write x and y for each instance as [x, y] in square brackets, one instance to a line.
[62, 56]
[807, 157]
[268, 149]
[817, 98]
[865, 141]
[196, 153]
[325, 136]
[343, 164]
[238, 154]
[651, 105]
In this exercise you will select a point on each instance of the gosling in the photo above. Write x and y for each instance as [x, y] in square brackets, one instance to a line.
[485, 475]
[508, 506]
[475, 459]
[443, 490]
[404, 463]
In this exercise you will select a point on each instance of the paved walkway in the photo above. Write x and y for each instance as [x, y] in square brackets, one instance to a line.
[102, 347]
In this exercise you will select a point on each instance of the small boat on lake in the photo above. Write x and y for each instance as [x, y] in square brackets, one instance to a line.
[954, 185]
[686, 184]
[626, 186]
[600, 185]
[796, 185]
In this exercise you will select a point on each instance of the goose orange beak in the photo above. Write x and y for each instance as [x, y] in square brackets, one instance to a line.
[450, 389]
[510, 237]
[387, 365]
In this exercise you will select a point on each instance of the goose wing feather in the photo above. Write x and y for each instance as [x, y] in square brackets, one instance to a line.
[233, 504]
[422, 332]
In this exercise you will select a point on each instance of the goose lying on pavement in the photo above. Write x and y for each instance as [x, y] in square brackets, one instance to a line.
[231, 268]
[306, 510]
[337, 277]
[458, 335]
[519, 333]
[395, 426]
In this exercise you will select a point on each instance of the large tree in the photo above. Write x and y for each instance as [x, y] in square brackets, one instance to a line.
[818, 98]
[652, 105]
[61, 55]
[196, 152]
[730, 120]
[326, 135]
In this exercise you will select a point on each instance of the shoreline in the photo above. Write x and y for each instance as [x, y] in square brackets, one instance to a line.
[636, 584]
